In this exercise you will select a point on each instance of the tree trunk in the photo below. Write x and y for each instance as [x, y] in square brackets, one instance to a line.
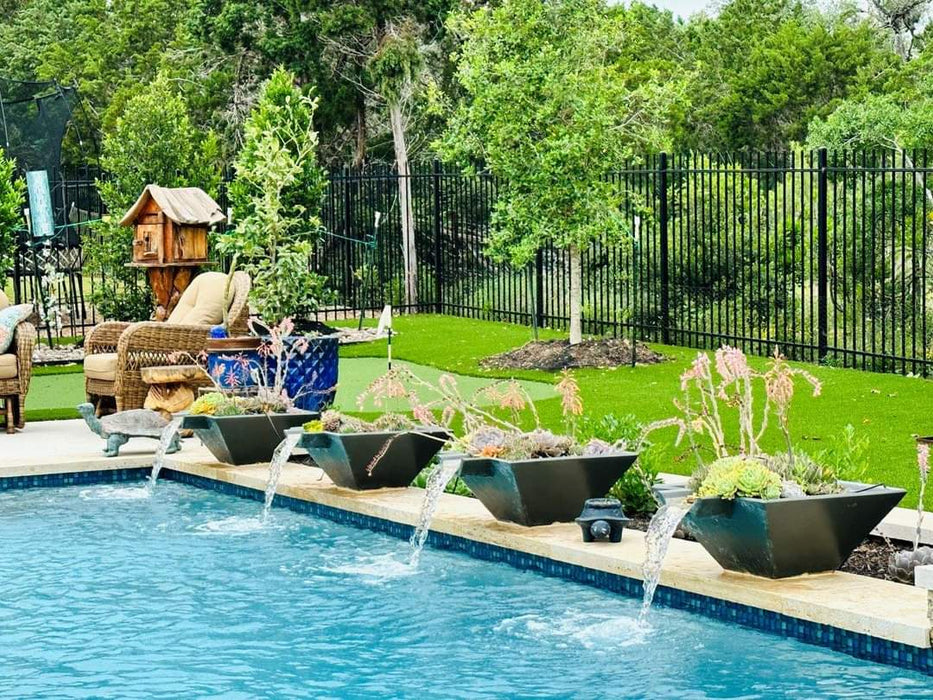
[576, 296]
[409, 253]
[359, 151]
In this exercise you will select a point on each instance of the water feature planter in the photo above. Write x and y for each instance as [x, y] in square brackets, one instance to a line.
[542, 491]
[244, 439]
[789, 536]
[344, 457]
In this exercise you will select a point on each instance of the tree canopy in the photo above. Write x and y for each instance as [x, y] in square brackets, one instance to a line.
[758, 72]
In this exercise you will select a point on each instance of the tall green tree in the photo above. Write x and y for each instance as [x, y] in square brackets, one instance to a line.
[551, 108]
[277, 197]
[152, 142]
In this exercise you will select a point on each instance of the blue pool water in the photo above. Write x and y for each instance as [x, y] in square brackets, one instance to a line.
[187, 594]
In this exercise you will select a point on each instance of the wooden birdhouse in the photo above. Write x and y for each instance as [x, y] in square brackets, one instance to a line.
[170, 228]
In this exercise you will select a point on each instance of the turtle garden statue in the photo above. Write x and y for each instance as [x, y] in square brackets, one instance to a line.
[118, 428]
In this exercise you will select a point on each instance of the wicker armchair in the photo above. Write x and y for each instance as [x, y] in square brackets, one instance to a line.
[115, 352]
[16, 373]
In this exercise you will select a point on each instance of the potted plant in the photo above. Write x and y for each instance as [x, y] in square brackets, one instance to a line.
[386, 453]
[528, 477]
[242, 423]
[771, 515]
[276, 196]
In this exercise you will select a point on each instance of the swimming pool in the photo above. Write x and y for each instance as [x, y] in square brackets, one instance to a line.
[187, 594]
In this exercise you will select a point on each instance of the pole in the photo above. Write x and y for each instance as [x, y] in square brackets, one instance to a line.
[822, 252]
[389, 347]
[665, 270]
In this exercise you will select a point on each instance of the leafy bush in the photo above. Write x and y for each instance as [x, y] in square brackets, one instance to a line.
[740, 477]
[634, 489]
[846, 455]
[276, 197]
[455, 485]
[153, 142]
[12, 190]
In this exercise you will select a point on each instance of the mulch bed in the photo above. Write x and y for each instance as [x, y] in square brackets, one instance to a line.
[553, 355]
[869, 559]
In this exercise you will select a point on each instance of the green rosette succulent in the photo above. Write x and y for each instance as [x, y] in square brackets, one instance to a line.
[740, 477]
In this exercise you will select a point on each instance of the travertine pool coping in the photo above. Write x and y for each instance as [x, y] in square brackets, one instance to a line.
[859, 604]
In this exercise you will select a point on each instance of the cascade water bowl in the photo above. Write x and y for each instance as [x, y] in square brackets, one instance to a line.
[346, 457]
[785, 537]
[542, 491]
[244, 439]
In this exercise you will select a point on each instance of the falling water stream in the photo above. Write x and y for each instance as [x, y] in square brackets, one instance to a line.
[279, 458]
[437, 482]
[165, 441]
[660, 532]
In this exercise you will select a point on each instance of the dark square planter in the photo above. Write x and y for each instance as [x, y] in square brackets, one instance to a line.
[789, 536]
[542, 491]
[344, 457]
[244, 439]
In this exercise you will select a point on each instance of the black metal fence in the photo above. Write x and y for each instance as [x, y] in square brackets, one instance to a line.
[823, 255]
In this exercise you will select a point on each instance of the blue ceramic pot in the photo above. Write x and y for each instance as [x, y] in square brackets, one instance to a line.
[311, 378]
[231, 362]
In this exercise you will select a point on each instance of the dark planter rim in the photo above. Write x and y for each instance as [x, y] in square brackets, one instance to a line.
[432, 432]
[539, 460]
[863, 489]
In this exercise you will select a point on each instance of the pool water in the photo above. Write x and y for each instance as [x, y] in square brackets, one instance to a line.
[106, 593]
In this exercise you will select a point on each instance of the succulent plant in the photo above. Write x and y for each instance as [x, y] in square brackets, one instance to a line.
[486, 441]
[813, 478]
[791, 489]
[544, 443]
[740, 477]
[216, 404]
[901, 565]
[597, 447]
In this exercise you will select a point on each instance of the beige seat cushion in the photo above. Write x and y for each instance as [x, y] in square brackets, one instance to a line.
[8, 366]
[203, 301]
[101, 366]
[4, 300]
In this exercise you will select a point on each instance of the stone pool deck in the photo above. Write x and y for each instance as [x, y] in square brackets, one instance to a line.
[881, 609]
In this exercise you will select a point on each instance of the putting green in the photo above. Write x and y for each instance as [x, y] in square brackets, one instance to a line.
[55, 396]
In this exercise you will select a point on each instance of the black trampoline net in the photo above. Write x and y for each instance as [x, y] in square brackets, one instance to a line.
[33, 120]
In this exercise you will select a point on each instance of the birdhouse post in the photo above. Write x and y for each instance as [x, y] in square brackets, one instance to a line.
[170, 228]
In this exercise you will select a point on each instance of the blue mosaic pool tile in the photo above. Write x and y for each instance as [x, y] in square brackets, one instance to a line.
[852, 643]
[100, 476]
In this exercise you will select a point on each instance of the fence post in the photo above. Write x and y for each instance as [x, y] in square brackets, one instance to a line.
[539, 288]
[822, 254]
[438, 245]
[663, 253]
[348, 234]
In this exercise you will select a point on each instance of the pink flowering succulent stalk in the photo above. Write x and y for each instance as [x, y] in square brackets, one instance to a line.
[733, 385]
[923, 467]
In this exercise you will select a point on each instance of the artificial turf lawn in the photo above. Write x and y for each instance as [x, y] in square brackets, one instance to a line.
[888, 409]
[56, 391]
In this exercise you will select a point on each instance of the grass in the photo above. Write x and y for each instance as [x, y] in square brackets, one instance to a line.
[888, 410]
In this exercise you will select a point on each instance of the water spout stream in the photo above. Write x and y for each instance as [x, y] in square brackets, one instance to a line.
[165, 442]
[658, 538]
[279, 458]
[442, 475]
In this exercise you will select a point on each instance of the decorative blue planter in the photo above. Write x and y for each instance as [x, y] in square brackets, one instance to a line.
[233, 370]
[231, 362]
[311, 380]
